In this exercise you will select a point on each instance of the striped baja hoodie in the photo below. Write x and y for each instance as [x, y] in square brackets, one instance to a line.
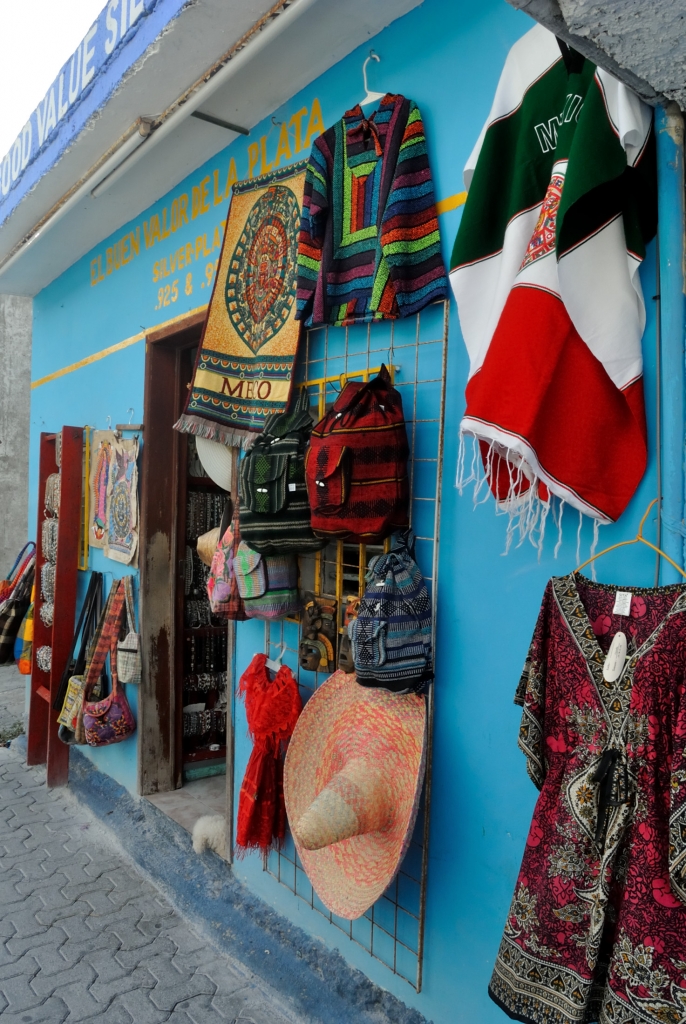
[369, 246]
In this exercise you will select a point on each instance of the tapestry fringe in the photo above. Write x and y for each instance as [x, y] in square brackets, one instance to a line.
[527, 514]
[234, 437]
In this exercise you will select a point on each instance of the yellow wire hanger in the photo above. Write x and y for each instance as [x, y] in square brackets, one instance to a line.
[639, 538]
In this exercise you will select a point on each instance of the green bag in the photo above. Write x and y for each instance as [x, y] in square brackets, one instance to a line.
[274, 507]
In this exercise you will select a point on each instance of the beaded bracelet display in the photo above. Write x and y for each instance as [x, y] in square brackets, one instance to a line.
[49, 539]
[44, 658]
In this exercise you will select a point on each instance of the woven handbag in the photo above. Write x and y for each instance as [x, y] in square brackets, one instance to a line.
[109, 720]
[275, 511]
[23, 645]
[129, 649]
[280, 596]
[356, 465]
[16, 604]
[391, 636]
[69, 700]
[21, 562]
[222, 586]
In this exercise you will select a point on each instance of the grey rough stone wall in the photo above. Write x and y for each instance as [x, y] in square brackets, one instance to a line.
[16, 315]
[643, 44]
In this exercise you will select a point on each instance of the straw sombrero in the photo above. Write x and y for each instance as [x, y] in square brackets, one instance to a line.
[352, 780]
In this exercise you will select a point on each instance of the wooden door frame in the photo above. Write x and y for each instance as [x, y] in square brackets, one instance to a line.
[159, 756]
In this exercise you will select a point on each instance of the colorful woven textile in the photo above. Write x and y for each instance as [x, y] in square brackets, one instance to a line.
[369, 242]
[545, 272]
[245, 360]
[352, 781]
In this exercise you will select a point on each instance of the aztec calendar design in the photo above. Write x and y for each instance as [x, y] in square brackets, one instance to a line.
[261, 280]
[120, 505]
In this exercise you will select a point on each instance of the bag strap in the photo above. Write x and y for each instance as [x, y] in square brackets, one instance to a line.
[108, 634]
[77, 668]
[227, 516]
[20, 562]
[130, 614]
[94, 601]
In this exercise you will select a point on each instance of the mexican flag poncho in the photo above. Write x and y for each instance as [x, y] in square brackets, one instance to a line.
[545, 272]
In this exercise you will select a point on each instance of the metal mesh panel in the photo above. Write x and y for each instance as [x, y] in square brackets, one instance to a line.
[415, 351]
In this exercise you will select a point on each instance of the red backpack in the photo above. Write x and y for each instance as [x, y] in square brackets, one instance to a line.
[356, 465]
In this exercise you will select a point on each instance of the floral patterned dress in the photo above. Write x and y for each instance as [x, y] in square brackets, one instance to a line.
[597, 926]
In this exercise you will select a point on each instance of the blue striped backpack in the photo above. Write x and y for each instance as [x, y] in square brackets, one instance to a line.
[391, 636]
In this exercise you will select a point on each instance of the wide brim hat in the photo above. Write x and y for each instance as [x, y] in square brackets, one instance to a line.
[216, 459]
[352, 782]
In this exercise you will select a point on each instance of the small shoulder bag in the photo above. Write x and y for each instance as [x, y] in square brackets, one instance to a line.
[109, 720]
[129, 649]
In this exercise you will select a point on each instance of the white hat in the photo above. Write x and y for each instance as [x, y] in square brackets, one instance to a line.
[216, 459]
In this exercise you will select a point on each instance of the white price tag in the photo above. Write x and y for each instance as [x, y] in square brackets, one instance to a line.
[622, 603]
[616, 656]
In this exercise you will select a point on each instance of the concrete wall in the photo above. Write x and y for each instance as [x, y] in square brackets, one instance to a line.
[16, 316]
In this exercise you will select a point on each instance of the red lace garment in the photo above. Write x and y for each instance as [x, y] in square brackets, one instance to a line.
[272, 707]
[597, 927]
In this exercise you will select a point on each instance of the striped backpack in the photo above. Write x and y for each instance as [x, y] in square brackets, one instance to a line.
[275, 512]
[391, 636]
[356, 466]
[268, 584]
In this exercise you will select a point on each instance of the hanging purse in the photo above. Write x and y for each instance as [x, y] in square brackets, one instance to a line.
[222, 586]
[129, 649]
[109, 720]
[69, 697]
[16, 603]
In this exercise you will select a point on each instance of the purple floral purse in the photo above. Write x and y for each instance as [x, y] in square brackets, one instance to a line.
[109, 720]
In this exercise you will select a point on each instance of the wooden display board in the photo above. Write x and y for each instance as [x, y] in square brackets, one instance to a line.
[44, 747]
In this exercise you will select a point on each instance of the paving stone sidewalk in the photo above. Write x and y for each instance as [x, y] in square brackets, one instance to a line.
[84, 937]
[12, 700]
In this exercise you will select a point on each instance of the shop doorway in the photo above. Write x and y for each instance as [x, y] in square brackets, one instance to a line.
[182, 753]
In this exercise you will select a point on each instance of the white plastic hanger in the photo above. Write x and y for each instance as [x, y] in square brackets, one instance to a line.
[370, 97]
[275, 665]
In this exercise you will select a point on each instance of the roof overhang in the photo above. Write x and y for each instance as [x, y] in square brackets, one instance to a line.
[234, 60]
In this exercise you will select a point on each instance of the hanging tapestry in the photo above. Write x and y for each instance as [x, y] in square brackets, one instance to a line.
[545, 272]
[121, 538]
[101, 450]
[244, 365]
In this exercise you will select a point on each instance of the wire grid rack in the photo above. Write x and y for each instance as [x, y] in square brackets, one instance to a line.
[415, 351]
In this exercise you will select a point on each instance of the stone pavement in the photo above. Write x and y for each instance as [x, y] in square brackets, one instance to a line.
[84, 937]
[12, 701]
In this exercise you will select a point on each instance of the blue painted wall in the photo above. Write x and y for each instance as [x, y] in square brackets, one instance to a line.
[447, 56]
